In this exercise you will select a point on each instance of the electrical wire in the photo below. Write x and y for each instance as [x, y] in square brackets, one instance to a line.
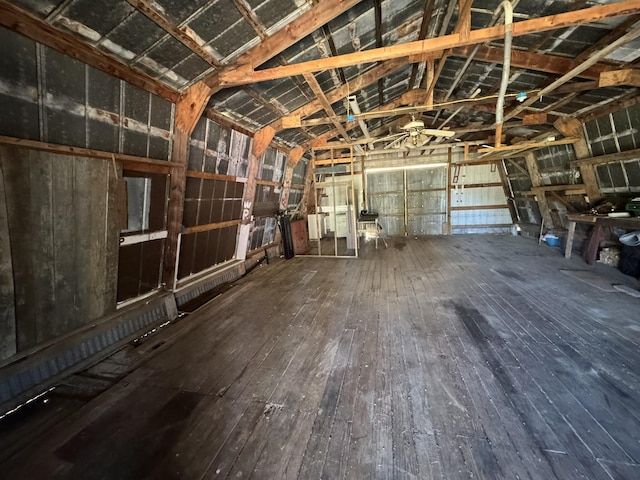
[443, 104]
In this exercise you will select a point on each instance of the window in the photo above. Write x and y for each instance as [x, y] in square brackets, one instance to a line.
[143, 236]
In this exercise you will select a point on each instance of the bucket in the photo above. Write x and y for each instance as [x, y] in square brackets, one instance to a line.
[552, 241]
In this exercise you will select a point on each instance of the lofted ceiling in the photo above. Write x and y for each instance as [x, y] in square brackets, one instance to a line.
[241, 50]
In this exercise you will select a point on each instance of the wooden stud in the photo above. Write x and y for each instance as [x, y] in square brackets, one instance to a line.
[177, 182]
[210, 226]
[210, 176]
[129, 162]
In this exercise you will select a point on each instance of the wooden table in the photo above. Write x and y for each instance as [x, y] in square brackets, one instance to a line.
[598, 222]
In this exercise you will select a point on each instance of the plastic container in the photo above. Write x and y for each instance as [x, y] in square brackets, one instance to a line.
[552, 241]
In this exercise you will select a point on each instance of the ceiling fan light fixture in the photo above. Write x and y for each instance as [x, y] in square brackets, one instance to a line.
[414, 125]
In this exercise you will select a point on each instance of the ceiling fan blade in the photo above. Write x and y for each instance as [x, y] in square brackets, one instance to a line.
[397, 141]
[389, 137]
[437, 133]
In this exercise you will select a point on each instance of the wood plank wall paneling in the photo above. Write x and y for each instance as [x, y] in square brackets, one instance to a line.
[64, 236]
[7, 302]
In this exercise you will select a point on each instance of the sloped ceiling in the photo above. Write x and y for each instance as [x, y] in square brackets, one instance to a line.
[181, 42]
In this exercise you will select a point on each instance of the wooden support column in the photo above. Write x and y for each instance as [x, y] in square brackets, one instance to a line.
[308, 179]
[508, 192]
[447, 227]
[573, 128]
[294, 157]
[536, 181]
[188, 111]
[430, 81]
[260, 144]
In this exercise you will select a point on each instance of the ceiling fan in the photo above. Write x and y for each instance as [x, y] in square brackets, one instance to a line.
[415, 135]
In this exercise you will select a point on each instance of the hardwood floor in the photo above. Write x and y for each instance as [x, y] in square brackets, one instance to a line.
[445, 357]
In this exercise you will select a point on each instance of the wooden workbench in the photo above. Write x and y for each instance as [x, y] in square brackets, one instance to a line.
[598, 222]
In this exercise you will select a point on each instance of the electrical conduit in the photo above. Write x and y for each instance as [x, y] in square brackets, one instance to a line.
[506, 67]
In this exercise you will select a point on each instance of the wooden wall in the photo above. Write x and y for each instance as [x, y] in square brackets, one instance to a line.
[7, 302]
[62, 226]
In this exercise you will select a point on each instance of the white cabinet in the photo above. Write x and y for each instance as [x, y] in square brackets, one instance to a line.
[313, 220]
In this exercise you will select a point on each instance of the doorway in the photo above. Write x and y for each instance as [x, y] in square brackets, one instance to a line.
[409, 201]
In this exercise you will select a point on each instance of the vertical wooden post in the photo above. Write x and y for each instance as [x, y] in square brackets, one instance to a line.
[447, 226]
[188, 112]
[573, 128]
[508, 192]
[536, 181]
[429, 81]
[294, 157]
[308, 178]
[261, 141]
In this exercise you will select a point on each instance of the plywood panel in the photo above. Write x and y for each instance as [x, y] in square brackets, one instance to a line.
[62, 224]
[7, 301]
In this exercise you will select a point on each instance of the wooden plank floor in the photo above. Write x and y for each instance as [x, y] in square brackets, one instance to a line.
[446, 357]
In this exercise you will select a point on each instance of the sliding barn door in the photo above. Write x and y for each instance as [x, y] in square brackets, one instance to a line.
[426, 199]
[385, 196]
[409, 202]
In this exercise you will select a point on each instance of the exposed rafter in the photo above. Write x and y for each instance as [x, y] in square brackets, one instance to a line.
[596, 57]
[352, 87]
[539, 62]
[324, 101]
[36, 29]
[184, 35]
[422, 34]
[245, 73]
[312, 19]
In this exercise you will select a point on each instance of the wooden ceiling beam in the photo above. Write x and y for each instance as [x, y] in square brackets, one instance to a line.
[314, 18]
[626, 101]
[464, 29]
[625, 77]
[378, 14]
[24, 23]
[554, 64]
[422, 34]
[324, 101]
[407, 98]
[631, 35]
[184, 35]
[243, 72]
[338, 94]
[610, 37]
